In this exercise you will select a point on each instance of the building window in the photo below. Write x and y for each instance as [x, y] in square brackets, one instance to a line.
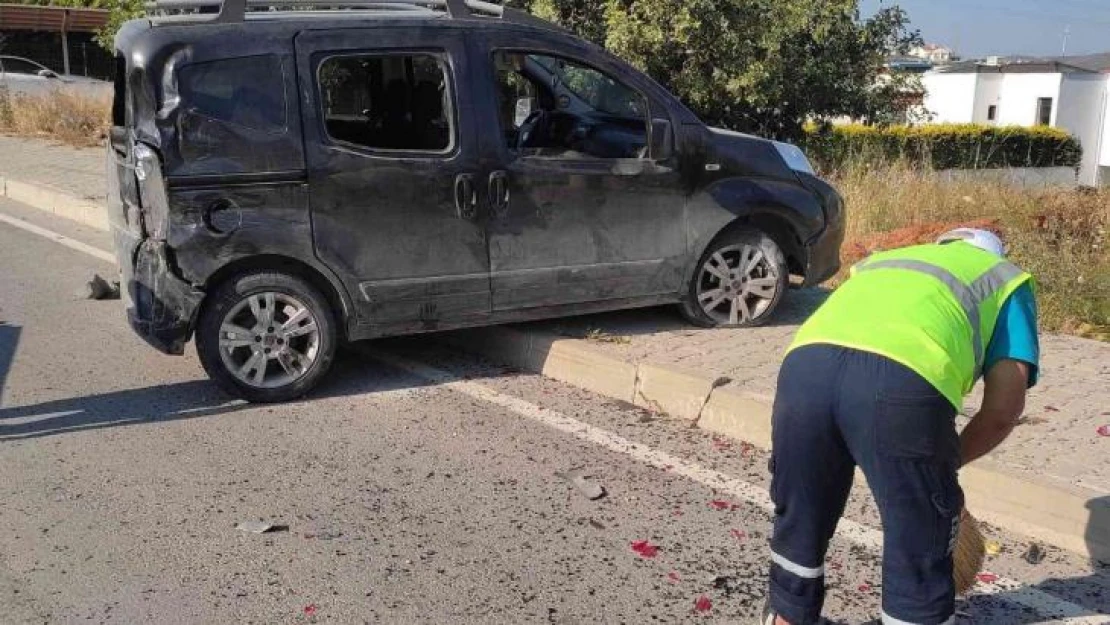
[1044, 111]
[388, 101]
[992, 113]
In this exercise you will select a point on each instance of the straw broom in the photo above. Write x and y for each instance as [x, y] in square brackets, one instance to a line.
[967, 557]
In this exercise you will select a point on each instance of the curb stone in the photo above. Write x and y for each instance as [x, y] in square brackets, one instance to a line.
[57, 202]
[1057, 514]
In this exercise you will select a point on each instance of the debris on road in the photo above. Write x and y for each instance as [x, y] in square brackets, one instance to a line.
[310, 610]
[703, 604]
[585, 484]
[721, 444]
[740, 535]
[864, 587]
[674, 577]
[986, 577]
[645, 549]
[1104, 431]
[993, 548]
[1034, 555]
[260, 527]
[720, 504]
[99, 289]
[597, 524]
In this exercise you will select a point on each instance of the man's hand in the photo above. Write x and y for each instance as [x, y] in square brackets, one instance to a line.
[1003, 403]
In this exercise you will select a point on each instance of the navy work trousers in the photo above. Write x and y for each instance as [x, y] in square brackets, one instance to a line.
[839, 408]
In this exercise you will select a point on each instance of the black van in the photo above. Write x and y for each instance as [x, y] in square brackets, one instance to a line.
[285, 177]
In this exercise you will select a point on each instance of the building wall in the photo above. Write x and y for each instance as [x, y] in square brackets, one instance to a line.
[988, 92]
[950, 98]
[1019, 94]
[1081, 111]
[1104, 156]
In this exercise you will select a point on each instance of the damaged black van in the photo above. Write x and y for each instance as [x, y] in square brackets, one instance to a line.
[286, 176]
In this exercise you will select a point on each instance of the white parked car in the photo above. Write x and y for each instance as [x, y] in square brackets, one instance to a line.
[26, 77]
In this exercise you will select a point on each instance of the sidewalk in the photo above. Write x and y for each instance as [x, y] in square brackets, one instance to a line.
[723, 380]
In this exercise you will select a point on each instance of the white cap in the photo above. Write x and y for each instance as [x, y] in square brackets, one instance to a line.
[982, 239]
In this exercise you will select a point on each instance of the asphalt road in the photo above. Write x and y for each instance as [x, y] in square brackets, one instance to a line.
[418, 485]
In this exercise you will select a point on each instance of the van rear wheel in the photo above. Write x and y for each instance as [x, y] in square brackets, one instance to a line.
[266, 336]
[739, 281]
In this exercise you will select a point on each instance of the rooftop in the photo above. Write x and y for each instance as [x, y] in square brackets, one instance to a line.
[1089, 63]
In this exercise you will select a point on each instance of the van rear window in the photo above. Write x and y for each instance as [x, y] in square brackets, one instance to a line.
[247, 91]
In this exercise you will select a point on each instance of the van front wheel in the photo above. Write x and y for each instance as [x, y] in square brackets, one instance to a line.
[740, 281]
[266, 337]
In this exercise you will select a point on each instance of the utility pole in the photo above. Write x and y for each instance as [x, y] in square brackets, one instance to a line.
[1064, 49]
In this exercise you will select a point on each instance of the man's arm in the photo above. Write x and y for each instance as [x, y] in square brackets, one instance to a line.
[1003, 403]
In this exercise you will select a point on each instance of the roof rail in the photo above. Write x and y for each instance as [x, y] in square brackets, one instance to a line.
[230, 11]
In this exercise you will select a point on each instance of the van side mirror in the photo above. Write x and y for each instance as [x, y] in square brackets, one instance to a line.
[662, 140]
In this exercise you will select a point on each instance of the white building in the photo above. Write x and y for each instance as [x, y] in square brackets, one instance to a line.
[1071, 93]
[937, 55]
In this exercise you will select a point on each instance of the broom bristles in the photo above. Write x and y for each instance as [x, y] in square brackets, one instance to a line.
[967, 557]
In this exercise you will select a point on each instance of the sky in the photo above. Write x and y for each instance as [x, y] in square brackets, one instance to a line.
[978, 28]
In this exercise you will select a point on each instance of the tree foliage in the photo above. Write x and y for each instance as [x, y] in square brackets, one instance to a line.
[763, 66]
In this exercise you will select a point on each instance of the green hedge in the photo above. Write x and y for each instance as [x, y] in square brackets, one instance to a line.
[943, 146]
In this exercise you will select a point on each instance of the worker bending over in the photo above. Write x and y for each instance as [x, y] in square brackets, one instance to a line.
[875, 379]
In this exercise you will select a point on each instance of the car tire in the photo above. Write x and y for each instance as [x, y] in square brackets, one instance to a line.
[266, 337]
[739, 281]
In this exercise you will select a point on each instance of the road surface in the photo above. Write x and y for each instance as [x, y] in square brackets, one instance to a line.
[418, 485]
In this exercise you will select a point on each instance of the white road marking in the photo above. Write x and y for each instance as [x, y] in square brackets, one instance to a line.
[1038, 600]
[72, 244]
[1043, 603]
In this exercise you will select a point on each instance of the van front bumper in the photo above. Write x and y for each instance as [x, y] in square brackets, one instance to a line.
[823, 255]
[161, 307]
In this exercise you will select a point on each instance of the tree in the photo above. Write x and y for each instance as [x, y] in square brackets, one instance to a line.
[762, 66]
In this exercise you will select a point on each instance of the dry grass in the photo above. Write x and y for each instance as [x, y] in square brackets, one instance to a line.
[1059, 236]
[74, 119]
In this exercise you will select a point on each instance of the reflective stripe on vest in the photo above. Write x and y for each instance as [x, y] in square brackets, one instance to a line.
[970, 297]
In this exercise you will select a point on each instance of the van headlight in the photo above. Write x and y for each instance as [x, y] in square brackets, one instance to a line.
[795, 158]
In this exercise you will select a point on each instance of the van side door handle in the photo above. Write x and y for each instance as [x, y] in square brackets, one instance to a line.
[466, 197]
[499, 193]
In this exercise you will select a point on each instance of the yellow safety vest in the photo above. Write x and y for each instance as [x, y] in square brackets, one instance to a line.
[932, 308]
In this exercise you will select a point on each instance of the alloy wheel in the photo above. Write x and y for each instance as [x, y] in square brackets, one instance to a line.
[737, 284]
[269, 340]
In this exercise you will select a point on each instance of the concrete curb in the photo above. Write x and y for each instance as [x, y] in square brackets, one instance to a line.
[1057, 514]
[57, 202]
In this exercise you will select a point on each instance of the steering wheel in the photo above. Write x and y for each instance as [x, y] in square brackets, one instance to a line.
[535, 125]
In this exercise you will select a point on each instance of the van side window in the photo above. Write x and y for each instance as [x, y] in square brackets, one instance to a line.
[387, 101]
[556, 107]
[247, 91]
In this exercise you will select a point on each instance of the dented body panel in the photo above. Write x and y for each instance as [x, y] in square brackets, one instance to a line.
[221, 160]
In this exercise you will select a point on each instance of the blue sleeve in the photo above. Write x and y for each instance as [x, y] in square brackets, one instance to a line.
[1015, 334]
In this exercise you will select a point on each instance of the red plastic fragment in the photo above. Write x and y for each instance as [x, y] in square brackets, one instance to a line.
[740, 535]
[645, 549]
[1104, 431]
[865, 587]
[673, 576]
[721, 504]
[987, 578]
[310, 609]
[703, 604]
